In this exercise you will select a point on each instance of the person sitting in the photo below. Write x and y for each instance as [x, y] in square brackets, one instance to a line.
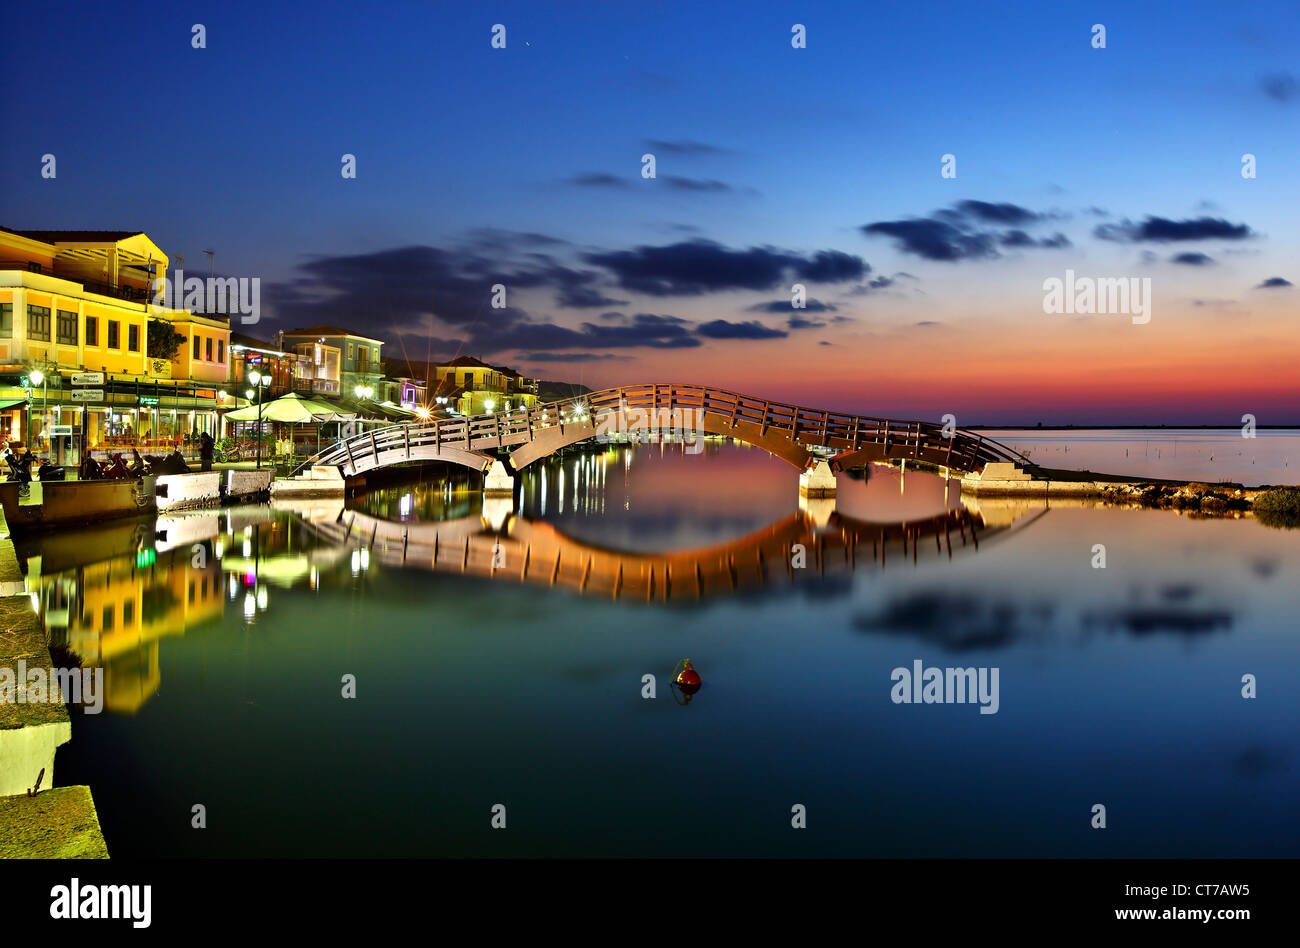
[137, 467]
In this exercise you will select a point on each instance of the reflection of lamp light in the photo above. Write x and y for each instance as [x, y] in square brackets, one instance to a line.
[489, 404]
[37, 377]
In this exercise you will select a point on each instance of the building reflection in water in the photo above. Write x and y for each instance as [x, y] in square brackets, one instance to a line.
[110, 595]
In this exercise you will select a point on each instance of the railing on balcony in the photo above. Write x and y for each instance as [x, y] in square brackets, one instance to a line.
[132, 293]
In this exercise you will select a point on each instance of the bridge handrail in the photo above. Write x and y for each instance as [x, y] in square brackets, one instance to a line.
[804, 425]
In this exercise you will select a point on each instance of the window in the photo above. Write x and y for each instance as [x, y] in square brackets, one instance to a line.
[221, 351]
[114, 334]
[6, 320]
[67, 328]
[376, 353]
[209, 349]
[196, 347]
[133, 337]
[107, 619]
[38, 323]
[351, 353]
[128, 612]
[92, 330]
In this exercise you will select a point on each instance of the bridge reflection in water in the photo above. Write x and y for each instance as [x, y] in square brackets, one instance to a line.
[519, 549]
[110, 595]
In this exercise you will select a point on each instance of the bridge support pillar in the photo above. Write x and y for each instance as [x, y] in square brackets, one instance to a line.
[817, 481]
[497, 509]
[498, 480]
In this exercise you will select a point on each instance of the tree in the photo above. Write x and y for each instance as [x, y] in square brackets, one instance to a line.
[164, 341]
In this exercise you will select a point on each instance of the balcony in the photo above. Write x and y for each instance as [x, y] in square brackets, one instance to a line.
[134, 294]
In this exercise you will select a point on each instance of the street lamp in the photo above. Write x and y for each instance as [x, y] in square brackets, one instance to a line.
[38, 378]
[364, 391]
[259, 381]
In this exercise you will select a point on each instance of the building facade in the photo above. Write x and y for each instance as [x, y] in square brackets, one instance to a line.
[474, 387]
[75, 366]
[308, 368]
[360, 357]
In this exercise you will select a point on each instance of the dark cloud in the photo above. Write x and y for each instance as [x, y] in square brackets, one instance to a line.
[683, 147]
[492, 238]
[831, 266]
[599, 179]
[571, 357]
[695, 267]
[1018, 238]
[694, 184]
[933, 239]
[644, 330]
[929, 322]
[1164, 230]
[881, 282]
[1280, 87]
[798, 322]
[403, 285]
[962, 232]
[580, 296]
[785, 306]
[722, 329]
[1273, 283]
[995, 213]
[1192, 259]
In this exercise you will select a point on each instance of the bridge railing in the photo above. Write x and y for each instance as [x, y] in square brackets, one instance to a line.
[960, 449]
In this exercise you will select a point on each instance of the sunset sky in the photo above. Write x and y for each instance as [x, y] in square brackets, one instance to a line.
[774, 166]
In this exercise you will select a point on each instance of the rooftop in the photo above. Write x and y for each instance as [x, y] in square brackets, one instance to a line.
[318, 331]
[74, 236]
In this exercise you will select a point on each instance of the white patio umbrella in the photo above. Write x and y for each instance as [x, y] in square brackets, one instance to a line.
[291, 409]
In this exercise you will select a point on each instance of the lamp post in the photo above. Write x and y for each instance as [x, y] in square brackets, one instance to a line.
[38, 378]
[259, 380]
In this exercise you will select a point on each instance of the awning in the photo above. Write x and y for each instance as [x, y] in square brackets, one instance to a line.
[7, 404]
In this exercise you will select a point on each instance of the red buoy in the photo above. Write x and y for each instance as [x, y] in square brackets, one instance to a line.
[688, 679]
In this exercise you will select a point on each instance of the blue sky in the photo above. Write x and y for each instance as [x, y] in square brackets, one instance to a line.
[237, 147]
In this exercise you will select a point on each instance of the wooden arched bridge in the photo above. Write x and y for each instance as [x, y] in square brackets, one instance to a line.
[800, 436]
[536, 552]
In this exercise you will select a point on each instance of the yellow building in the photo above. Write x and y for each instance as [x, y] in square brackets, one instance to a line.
[77, 302]
[475, 387]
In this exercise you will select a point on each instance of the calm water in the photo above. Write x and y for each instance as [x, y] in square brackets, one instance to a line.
[1272, 456]
[499, 658]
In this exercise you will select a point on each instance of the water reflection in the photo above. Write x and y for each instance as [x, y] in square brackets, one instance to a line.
[110, 595]
[537, 552]
[476, 673]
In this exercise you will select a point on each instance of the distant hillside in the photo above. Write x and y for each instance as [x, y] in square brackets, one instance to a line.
[557, 391]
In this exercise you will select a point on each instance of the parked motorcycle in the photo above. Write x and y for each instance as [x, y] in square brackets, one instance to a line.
[47, 471]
